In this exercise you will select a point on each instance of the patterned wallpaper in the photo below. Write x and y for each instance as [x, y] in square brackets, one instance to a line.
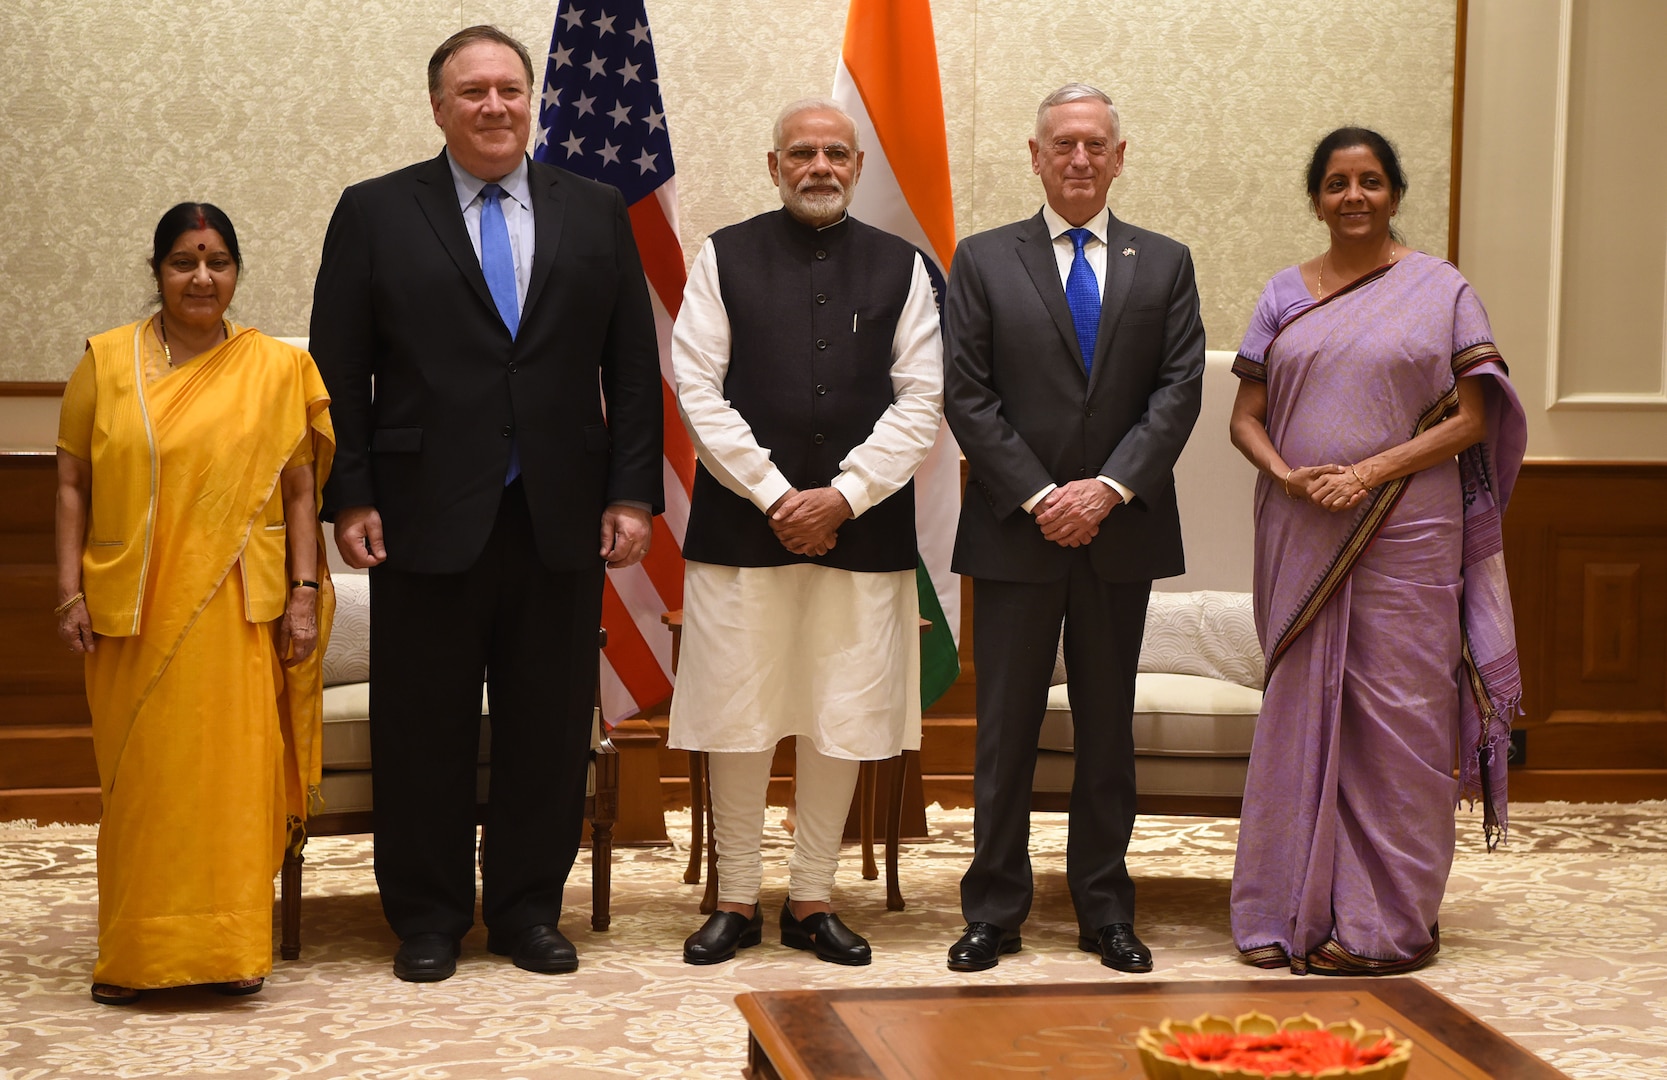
[119, 109]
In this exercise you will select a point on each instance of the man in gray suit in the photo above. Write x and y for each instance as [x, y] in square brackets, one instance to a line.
[1074, 361]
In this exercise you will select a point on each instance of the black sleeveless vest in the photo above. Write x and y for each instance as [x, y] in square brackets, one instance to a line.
[812, 314]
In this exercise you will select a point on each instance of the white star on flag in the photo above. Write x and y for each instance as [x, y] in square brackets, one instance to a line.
[573, 145]
[584, 105]
[572, 17]
[609, 153]
[621, 114]
[561, 57]
[645, 161]
[604, 25]
[551, 98]
[540, 139]
[597, 66]
[639, 32]
[655, 120]
[628, 72]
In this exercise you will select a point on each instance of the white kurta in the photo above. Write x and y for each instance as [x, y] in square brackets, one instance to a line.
[801, 649]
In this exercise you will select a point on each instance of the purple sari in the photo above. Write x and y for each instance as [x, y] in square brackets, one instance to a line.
[1386, 629]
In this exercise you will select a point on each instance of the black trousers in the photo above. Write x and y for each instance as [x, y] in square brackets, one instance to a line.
[1015, 632]
[532, 634]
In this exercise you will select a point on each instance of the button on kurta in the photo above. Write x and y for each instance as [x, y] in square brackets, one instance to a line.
[818, 439]
[505, 431]
[821, 389]
[821, 343]
[821, 298]
[821, 255]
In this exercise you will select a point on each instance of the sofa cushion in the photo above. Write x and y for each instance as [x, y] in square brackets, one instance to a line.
[1154, 775]
[1174, 715]
[347, 727]
[350, 792]
[347, 659]
[1209, 633]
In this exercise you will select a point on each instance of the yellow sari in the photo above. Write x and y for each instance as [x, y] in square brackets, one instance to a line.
[207, 747]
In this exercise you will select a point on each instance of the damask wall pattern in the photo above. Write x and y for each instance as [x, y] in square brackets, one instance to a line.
[269, 108]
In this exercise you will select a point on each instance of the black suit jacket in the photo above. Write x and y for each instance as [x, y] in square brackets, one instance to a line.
[427, 387]
[1026, 415]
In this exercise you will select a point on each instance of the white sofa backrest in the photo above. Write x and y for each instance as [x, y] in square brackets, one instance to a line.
[1214, 485]
[347, 660]
[1208, 633]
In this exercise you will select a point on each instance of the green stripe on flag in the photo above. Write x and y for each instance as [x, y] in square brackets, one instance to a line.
[939, 666]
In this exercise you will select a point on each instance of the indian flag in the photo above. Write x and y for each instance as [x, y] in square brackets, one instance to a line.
[888, 81]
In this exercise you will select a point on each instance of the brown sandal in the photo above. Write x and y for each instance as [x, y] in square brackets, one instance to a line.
[111, 994]
[239, 987]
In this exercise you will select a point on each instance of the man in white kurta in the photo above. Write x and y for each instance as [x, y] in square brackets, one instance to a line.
[809, 374]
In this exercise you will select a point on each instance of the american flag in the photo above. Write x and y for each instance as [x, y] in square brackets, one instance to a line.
[600, 115]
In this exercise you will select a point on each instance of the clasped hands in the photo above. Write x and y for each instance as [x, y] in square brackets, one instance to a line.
[1330, 487]
[807, 522]
[1070, 514]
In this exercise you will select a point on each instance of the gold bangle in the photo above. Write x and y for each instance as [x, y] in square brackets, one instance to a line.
[59, 611]
[1357, 478]
[1287, 483]
[303, 583]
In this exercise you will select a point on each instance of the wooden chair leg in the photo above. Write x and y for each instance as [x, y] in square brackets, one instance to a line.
[601, 874]
[709, 901]
[865, 816]
[697, 814]
[289, 906]
[894, 828]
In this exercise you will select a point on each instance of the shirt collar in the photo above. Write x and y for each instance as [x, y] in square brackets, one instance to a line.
[1099, 225]
[468, 185]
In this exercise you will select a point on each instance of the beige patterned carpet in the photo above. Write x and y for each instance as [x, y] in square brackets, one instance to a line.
[1560, 941]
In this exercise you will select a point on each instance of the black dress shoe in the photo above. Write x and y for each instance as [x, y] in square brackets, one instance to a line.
[722, 934]
[541, 948]
[982, 946]
[823, 934]
[426, 958]
[1118, 948]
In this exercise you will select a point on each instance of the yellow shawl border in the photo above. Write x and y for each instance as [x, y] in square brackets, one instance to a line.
[1359, 539]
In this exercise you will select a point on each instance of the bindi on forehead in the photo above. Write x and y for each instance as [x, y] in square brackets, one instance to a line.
[202, 247]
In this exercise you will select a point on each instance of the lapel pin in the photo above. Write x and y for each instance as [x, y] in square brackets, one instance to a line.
[1128, 251]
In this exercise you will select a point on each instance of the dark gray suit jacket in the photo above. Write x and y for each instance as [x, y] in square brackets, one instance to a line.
[1026, 415]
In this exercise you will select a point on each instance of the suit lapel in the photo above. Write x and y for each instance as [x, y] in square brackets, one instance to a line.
[549, 204]
[437, 196]
[1036, 253]
[1120, 269]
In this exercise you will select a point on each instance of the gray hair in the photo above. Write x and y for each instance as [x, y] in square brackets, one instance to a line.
[1076, 92]
[812, 104]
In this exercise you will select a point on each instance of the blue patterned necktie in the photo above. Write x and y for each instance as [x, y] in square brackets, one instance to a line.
[1082, 293]
[497, 262]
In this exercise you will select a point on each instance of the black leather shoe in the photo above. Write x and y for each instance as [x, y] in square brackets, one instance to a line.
[722, 934]
[541, 948]
[823, 934]
[982, 946]
[1118, 948]
[426, 958]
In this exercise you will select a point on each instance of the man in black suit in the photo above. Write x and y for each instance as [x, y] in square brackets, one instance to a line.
[466, 311]
[1074, 360]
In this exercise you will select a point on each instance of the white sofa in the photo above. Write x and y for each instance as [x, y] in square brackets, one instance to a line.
[1197, 698]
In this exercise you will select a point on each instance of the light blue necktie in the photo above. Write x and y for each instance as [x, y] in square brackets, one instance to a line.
[1082, 293]
[497, 262]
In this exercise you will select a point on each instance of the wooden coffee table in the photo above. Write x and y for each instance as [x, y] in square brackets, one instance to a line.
[1066, 1032]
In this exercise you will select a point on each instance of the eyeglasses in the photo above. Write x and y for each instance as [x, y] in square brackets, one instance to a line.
[837, 154]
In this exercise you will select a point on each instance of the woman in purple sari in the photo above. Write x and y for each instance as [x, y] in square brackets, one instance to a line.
[1377, 409]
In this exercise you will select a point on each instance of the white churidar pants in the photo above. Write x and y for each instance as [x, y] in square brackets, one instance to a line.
[740, 782]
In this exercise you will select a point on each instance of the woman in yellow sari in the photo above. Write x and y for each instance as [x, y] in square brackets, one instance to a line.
[190, 574]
